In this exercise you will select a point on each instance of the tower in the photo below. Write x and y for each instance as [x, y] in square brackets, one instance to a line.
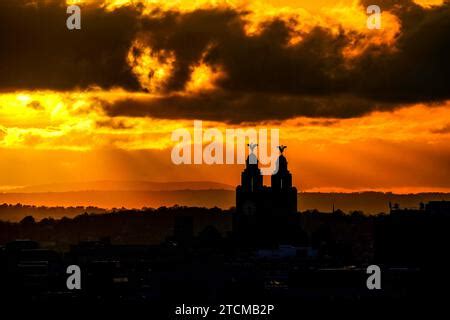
[264, 215]
[249, 193]
[251, 178]
[285, 195]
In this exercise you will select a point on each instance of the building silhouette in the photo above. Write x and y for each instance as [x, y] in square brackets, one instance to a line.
[431, 208]
[265, 215]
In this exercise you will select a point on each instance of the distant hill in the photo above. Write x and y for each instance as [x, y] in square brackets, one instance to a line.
[124, 199]
[121, 186]
[368, 202]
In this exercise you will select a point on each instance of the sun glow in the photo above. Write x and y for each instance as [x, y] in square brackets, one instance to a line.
[76, 121]
[429, 3]
[203, 78]
[153, 69]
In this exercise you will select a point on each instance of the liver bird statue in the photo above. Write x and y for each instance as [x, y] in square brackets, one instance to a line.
[252, 146]
[281, 148]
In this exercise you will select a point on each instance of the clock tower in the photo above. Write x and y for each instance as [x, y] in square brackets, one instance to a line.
[264, 214]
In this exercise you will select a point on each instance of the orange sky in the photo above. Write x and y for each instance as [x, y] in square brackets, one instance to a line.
[49, 136]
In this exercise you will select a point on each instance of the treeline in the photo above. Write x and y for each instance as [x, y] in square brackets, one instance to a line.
[16, 212]
[120, 226]
[338, 233]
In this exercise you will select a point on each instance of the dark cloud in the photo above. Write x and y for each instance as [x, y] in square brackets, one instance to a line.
[265, 78]
[243, 107]
[321, 123]
[38, 51]
[419, 70]
[113, 124]
[36, 105]
[261, 63]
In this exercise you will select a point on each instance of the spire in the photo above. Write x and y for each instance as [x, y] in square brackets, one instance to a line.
[251, 178]
[282, 178]
[281, 164]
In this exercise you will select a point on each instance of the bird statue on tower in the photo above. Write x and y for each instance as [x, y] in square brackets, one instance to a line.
[252, 146]
[252, 157]
[281, 148]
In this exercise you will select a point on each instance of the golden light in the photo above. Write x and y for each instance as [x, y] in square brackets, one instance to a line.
[429, 3]
[166, 5]
[203, 78]
[153, 69]
[76, 121]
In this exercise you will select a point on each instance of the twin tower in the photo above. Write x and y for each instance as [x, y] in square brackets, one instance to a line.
[265, 214]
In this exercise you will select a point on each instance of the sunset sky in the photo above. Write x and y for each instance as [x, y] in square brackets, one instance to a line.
[359, 109]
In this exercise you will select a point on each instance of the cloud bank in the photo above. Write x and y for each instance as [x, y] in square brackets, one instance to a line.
[246, 76]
